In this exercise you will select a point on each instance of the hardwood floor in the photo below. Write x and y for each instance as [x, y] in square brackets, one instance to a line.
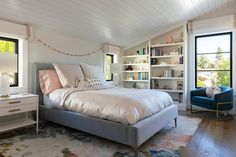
[213, 138]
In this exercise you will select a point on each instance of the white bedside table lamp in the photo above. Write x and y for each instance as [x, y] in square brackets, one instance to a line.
[8, 64]
[115, 69]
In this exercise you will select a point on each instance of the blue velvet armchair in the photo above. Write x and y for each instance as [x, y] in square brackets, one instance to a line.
[221, 102]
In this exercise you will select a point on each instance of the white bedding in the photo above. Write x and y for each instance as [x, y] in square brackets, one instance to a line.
[123, 105]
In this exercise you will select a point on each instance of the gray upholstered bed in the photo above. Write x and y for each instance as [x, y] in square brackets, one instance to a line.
[132, 135]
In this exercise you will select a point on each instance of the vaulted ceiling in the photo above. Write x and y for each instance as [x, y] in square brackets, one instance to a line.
[120, 22]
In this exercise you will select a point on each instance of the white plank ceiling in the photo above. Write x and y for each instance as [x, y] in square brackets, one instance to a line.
[120, 22]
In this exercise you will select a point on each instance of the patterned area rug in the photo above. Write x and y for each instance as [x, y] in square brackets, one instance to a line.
[58, 141]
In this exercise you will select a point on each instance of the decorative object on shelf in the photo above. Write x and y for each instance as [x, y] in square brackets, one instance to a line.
[180, 100]
[167, 87]
[180, 50]
[181, 60]
[8, 64]
[174, 52]
[65, 53]
[134, 85]
[156, 85]
[157, 52]
[179, 85]
[170, 39]
[129, 68]
[135, 76]
[181, 74]
[168, 73]
[153, 61]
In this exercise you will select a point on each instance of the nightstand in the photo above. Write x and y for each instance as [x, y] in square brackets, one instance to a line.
[19, 104]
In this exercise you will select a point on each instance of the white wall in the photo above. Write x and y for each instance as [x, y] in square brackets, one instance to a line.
[40, 53]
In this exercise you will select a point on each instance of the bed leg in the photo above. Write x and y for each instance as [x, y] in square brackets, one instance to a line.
[176, 122]
[136, 152]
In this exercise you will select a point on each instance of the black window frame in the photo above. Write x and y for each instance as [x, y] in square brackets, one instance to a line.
[16, 41]
[112, 61]
[231, 57]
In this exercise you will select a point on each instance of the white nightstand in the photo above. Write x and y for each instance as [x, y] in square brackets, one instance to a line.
[16, 104]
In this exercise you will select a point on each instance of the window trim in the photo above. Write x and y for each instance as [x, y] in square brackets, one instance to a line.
[112, 61]
[16, 41]
[231, 57]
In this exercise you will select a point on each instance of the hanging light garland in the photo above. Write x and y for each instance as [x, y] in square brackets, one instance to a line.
[65, 53]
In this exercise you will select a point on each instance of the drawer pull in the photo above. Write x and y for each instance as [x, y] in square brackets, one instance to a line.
[14, 102]
[14, 110]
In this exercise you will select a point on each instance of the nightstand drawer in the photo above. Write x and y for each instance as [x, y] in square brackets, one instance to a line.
[18, 102]
[17, 109]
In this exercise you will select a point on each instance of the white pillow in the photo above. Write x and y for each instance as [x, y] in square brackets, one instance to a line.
[92, 83]
[211, 91]
[69, 74]
[92, 71]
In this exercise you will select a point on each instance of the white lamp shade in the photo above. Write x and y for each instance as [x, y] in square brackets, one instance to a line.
[4, 85]
[115, 68]
[8, 63]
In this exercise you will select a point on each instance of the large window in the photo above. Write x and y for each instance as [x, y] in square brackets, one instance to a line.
[10, 46]
[109, 60]
[213, 60]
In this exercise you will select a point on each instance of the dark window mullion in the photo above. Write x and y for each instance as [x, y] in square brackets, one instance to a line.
[16, 49]
[213, 53]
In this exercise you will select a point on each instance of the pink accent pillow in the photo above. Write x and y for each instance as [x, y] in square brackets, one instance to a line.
[49, 81]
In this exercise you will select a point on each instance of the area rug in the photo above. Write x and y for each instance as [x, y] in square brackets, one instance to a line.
[57, 141]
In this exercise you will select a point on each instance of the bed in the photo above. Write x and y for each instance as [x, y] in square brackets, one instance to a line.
[133, 134]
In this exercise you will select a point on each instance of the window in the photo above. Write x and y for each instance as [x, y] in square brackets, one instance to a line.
[109, 60]
[10, 46]
[213, 60]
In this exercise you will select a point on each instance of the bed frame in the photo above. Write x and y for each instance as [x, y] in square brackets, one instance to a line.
[131, 135]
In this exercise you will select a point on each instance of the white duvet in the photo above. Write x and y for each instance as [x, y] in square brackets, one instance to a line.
[123, 105]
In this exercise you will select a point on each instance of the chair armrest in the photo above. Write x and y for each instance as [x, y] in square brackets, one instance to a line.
[224, 97]
[198, 92]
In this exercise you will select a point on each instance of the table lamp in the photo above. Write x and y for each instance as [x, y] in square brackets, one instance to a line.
[8, 64]
[115, 69]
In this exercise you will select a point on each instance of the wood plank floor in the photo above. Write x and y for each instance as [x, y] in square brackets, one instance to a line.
[213, 138]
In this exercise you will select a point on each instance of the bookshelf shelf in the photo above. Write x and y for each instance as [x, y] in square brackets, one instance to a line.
[135, 56]
[143, 81]
[168, 78]
[167, 56]
[167, 65]
[166, 45]
[138, 64]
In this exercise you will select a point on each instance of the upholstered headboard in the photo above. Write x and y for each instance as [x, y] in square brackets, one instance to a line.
[35, 78]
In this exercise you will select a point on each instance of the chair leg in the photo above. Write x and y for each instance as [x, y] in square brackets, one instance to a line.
[217, 110]
[136, 154]
[191, 108]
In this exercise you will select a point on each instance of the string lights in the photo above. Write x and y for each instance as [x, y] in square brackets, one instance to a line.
[65, 53]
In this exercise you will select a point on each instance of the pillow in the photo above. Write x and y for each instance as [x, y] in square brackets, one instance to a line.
[68, 74]
[92, 83]
[48, 81]
[211, 91]
[91, 71]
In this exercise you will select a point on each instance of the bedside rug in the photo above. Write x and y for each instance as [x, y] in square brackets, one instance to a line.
[57, 141]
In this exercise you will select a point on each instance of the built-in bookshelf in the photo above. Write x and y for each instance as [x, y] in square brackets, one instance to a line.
[136, 67]
[158, 64]
[167, 72]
